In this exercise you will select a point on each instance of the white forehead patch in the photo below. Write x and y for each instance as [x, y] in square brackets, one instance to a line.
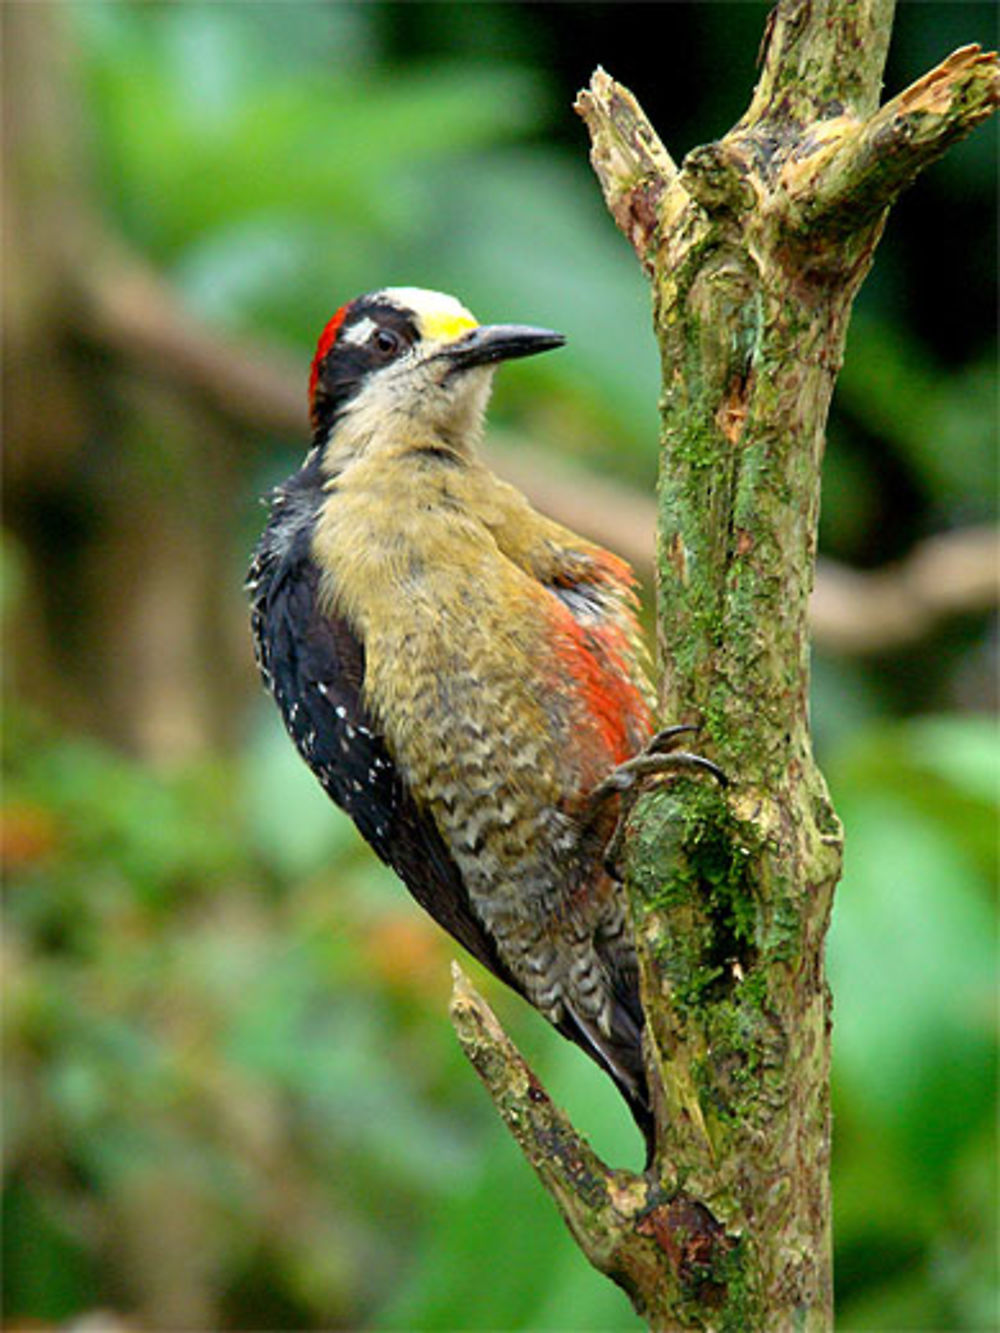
[425, 303]
[359, 333]
[439, 317]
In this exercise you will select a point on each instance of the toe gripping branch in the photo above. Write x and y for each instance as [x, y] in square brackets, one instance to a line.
[659, 756]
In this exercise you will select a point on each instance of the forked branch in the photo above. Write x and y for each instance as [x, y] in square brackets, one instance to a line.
[849, 181]
[755, 248]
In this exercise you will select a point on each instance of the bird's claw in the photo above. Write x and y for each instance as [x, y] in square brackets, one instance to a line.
[658, 756]
[666, 738]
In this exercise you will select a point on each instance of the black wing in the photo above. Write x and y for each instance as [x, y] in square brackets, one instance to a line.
[314, 666]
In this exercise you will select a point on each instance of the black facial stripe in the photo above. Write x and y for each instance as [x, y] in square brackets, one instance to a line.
[385, 316]
[347, 364]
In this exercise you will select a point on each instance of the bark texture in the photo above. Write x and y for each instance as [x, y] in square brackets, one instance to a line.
[755, 247]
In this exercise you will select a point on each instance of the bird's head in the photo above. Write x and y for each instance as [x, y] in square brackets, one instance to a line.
[405, 358]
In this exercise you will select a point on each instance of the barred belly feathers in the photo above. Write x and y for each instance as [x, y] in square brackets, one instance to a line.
[460, 672]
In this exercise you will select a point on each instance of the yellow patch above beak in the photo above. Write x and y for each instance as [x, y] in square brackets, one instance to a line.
[445, 325]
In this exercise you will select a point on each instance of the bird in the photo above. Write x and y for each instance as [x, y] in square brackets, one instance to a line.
[465, 677]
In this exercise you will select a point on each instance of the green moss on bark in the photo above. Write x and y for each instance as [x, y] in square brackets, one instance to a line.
[755, 250]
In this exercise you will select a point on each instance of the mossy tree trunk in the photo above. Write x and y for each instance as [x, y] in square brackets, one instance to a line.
[755, 247]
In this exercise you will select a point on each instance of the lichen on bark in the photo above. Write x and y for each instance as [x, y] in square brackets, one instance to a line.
[755, 248]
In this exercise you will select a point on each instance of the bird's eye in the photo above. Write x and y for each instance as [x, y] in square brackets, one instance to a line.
[386, 342]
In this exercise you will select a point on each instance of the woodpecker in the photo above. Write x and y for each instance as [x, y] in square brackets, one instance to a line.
[464, 676]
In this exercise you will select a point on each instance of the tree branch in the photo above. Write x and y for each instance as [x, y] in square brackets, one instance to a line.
[126, 309]
[755, 253]
[821, 58]
[637, 174]
[592, 1198]
[663, 1250]
[851, 178]
[124, 305]
[872, 611]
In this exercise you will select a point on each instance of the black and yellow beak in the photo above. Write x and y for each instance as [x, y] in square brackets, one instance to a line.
[489, 344]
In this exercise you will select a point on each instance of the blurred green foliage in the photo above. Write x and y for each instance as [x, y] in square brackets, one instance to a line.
[226, 1042]
[232, 1097]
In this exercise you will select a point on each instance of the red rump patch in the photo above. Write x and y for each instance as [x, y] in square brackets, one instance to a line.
[326, 340]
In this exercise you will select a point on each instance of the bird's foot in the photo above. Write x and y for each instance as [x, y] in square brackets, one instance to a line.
[660, 755]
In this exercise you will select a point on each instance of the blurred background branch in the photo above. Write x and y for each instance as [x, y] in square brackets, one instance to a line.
[130, 313]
